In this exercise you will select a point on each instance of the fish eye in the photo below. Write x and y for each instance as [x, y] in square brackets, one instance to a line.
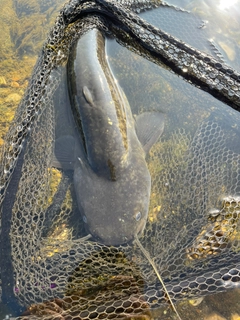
[85, 219]
[138, 216]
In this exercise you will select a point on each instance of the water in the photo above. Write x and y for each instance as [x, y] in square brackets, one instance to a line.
[215, 30]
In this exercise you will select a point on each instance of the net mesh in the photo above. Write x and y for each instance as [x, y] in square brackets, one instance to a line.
[192, 233]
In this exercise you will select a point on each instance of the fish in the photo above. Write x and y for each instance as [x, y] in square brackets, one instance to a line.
[111, 178]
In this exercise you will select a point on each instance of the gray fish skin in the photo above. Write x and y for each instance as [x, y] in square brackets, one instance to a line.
[99, 106]
[111, 178]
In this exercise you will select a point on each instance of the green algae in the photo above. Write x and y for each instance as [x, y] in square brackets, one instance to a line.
[24, 26]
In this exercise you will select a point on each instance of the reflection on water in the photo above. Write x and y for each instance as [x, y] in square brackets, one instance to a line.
[205, 25]
[225, 4]
[211, 26]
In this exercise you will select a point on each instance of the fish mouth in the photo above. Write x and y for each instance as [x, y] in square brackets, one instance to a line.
[113, 237]
[114, 241]
[117, 237]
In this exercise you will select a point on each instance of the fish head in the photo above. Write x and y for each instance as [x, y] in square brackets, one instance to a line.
[114, 212]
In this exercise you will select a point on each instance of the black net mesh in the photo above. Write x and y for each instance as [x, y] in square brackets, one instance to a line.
[47, 266]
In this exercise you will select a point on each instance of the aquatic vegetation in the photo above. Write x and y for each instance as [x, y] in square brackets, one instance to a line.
[220, 230]
[46, 250]
[174, 151]
[113, 293]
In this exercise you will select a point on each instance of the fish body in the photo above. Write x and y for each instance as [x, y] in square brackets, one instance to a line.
[100, 108]
[111, 177]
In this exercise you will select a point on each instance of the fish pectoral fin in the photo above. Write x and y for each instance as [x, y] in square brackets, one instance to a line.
[64, 153]
[149, 127]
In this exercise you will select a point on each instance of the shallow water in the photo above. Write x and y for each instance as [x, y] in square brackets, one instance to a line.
[214, 29]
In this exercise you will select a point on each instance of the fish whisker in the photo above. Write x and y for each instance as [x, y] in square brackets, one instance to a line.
[146, 254]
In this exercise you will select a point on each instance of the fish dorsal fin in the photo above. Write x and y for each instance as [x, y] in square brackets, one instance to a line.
[64, 153]
[149, 127]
